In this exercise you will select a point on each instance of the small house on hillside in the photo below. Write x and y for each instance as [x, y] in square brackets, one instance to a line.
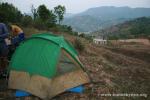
[99, 41]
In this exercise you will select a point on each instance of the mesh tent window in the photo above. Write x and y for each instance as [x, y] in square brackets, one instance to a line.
[66, 64]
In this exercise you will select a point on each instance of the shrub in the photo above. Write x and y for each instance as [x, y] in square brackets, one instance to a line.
[26, 21]
[148, 38]
[38, 23]
[79, 45]
[82, 35]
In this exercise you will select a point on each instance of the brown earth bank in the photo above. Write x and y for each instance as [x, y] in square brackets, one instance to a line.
[125, 69]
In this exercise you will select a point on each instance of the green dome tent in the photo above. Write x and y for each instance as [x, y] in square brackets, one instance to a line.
[46, 65]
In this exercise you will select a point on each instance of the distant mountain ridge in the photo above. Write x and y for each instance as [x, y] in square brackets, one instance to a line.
[102, 17]
[117, 12]
[68, 15]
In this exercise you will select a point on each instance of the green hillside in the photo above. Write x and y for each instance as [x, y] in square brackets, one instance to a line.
[136, 28]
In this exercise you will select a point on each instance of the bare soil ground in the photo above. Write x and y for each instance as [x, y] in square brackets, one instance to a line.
[112, 70]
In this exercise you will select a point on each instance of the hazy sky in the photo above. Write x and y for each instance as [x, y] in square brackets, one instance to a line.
[76, 6]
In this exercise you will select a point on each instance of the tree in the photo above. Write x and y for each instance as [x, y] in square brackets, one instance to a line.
[46, 16]
[9, 13]
[43, 13]
[69, 28]
[52, 19]
[34, 12]
[60, 11]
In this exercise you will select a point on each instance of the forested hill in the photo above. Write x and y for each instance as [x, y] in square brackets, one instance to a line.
[139, 27]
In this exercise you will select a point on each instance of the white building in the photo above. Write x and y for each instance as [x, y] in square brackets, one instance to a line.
[100, 41]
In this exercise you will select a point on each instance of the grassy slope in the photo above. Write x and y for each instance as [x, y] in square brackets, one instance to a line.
[112, 70]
